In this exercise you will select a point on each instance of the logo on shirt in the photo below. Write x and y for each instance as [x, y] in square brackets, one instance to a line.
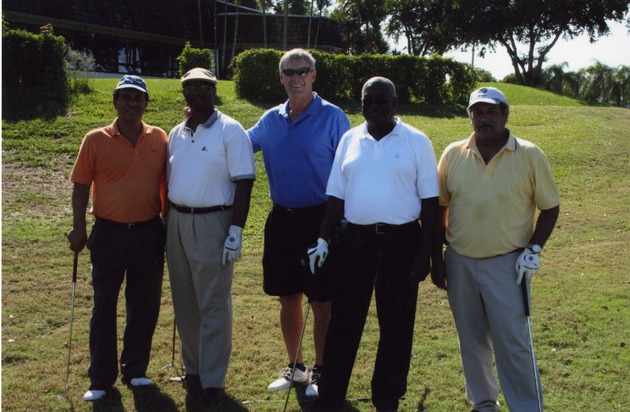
[204, 149]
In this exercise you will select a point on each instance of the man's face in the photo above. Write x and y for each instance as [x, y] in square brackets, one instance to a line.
[378, 104]
[488, 120]
[297, 78]
[130, 104]
[199, 95]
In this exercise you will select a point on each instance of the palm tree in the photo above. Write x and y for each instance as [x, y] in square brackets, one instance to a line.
[599, 82]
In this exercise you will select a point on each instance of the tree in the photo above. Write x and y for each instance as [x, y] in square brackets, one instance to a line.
[360, 23]
[423, 24]
[532, 25]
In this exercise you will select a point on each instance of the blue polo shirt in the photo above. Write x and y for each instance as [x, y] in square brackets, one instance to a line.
[299, 155]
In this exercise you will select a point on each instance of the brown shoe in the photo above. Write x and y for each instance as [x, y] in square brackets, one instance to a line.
[212, 395]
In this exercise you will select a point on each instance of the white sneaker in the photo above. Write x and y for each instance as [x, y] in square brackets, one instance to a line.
[313, 387]
[284, 381]
[143, 381]
[93, 395]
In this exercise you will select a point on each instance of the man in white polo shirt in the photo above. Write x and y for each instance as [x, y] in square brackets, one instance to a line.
[383, 179]
[490, 187]
[210, 176]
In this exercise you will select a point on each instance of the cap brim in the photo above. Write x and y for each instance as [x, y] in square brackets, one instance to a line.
[131, 86]
[484, 100]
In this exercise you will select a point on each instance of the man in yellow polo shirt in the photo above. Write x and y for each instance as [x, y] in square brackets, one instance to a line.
[490, 187]
[124, 164]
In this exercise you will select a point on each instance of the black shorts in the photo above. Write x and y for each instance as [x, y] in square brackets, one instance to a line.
[288, 234]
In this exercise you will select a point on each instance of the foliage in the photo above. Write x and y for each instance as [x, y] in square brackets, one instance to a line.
[422, 24]
[78, 63]
[33, 73]
[597, 82]
[192, 57]
[360, 24]
[538, 24]
[340, 77]
[579, 298]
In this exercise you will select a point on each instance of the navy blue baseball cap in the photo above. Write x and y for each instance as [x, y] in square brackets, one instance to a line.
[130, 81]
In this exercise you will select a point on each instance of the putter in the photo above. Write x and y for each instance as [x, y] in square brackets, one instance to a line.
[531, 342]
[74, 282]
[286, 402]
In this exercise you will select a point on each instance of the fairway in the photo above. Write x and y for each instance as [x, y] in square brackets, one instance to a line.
[580, 311]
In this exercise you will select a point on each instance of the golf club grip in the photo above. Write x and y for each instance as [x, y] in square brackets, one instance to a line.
[525, 296]
[74, 268]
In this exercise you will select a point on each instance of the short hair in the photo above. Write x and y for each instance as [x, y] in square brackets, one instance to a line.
[297, 54]
[378, 79]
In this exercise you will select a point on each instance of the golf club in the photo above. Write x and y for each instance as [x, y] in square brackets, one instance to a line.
[74, 282]
[308, 308]
[531, 342]
[170, 365]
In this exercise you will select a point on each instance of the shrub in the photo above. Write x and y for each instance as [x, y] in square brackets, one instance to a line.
[341, 77]
[33, 73]
[192, 57]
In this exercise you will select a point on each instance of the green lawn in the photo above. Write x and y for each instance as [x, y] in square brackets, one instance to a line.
[580, 308]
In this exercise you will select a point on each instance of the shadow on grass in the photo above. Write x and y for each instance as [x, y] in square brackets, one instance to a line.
[150, 398]
[111, 403]
[29, 105]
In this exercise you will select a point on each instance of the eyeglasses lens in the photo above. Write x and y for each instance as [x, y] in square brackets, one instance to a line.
[300, 72]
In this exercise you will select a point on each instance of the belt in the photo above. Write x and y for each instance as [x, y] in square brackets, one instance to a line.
[200, 210]
[300, 210]
[381, 228]
[132, 225]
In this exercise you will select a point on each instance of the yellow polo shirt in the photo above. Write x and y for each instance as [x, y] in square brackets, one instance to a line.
[492, 206]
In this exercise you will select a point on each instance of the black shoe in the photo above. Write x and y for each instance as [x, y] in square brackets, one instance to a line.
[212, 395]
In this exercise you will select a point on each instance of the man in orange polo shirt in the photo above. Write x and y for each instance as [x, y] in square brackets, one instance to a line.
[125, 166]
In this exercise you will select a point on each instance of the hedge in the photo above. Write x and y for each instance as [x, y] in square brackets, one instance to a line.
[34, 80]
[434, 80]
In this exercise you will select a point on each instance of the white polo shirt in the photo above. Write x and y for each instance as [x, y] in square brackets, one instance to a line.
[384, 181]
[202, 167]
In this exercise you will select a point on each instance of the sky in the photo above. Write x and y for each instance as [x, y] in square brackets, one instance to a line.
[612, 50]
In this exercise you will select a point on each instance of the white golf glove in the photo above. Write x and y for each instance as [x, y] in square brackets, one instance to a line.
[527, 264]
[232, 247]
[317, 254]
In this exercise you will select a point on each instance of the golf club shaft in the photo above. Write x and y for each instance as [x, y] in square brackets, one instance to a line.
[297, 353]
[531, 342]
[74, 282]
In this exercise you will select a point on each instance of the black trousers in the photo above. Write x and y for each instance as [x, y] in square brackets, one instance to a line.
[138, 252]
[371, 258]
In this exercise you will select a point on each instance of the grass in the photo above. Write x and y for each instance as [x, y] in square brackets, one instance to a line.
[580, 309]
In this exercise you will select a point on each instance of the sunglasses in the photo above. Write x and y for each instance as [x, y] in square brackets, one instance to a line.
[300, 72]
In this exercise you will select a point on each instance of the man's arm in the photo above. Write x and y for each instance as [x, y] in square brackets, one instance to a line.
[78, 235]
[421, 265]
[438, 274]
[242, 197]
[334, 214]
[544, 226]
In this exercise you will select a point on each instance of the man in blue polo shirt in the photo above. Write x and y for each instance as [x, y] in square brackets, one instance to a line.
[298, 139]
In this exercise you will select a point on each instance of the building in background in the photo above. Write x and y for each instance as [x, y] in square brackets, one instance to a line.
[146, 36]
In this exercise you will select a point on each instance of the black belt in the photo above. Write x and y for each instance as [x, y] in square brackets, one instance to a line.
[300, 210]
[381, 228]
[200, 210]
[132, 225]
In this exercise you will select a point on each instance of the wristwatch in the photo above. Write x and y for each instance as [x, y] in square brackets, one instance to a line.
[535, 248]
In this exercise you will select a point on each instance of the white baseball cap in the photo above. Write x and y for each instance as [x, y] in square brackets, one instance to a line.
[490, 95]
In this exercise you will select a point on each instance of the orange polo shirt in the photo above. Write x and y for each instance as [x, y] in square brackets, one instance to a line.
[128, 183]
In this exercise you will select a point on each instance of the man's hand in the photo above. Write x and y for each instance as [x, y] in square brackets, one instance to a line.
[317, 254]
[527, 264]
[420, 267]
[77, 239]
[232, 247]
[438, 274]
